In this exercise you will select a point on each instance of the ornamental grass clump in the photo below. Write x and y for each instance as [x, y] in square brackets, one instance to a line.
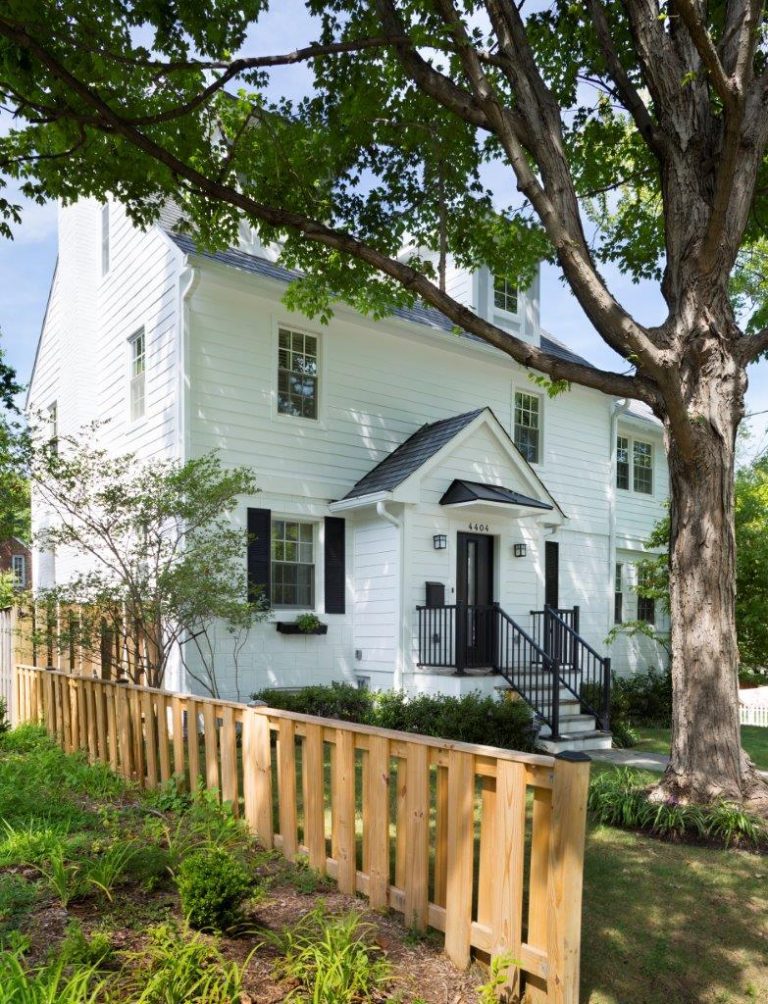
[620, 798]
[213, 885]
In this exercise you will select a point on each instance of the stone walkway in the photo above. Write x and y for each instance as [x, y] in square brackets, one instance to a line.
[643, 761]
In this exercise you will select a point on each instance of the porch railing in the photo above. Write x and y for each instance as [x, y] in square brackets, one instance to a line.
[553, 657]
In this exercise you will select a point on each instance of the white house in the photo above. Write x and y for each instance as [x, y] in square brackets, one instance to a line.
[418, 491]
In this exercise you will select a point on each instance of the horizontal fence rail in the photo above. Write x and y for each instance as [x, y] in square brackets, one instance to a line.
[754, 714]
[483, 844]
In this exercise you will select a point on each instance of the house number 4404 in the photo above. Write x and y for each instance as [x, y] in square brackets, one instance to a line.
[479, 527]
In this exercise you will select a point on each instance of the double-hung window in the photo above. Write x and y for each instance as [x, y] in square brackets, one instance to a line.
[618, 596]
[642, 467]
[297, 374]
[138, 366]
[527, 432]
[634, 465]
[19, 569]
[293, 563]
[504, 294]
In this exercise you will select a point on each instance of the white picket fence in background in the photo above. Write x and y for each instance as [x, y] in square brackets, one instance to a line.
[755, 714]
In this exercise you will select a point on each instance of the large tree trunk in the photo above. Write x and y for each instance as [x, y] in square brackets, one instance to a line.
[707, 761]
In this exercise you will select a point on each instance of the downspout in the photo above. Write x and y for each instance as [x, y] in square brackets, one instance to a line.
[618, 408]
[383, 512]
[188, 280]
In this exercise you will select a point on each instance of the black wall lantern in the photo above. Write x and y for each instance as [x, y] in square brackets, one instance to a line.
[519, 550]
[440, 541]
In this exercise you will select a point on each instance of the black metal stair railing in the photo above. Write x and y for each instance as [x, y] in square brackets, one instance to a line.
[585, 673]
[461, 637]
[536, 665]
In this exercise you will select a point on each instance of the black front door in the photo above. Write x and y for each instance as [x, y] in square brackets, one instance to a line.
[474, 590]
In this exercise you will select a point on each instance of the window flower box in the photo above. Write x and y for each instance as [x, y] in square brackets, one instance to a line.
[291, 627]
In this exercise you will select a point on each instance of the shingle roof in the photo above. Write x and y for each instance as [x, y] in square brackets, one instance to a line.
[416, 314]
[410, 455]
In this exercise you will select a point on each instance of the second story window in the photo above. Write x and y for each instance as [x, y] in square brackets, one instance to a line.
[504, 294]
[293, 563]
[105, 238]
[622, 462]
[527, 432]
[634, 465]
[642, 467]
[297, 374]
[19, 569]
[138, 365]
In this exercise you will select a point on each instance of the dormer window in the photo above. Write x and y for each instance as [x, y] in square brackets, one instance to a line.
[505, 294]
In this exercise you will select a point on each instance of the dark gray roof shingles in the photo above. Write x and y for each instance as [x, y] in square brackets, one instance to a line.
[410, 455]
[417, 314]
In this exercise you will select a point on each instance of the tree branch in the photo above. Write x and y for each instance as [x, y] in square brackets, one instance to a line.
[626, 90]
[522, 352]
[702, 40]
[753, 346]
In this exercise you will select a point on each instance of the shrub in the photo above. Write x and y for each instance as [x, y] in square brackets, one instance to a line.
[619, 798]
[5, 724]
[212, 884]
[472, 718]
[643, 699]
[339, 700]
[331, 961]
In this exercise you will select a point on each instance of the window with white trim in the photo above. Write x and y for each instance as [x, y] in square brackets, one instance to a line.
[618, 596]
[622, 462]
[19, 569]
[642, 467]
[527, 429]
[504, 294]
[105, 238]
[293, 563]
[297, 374]
[634, 465]
[138, 366]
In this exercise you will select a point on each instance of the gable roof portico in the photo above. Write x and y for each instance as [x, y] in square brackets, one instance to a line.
[503, 480]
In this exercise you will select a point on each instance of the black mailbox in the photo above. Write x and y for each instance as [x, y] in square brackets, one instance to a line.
[435, 594]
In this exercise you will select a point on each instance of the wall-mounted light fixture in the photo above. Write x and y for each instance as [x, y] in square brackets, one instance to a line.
[519, 550]
[440, 541]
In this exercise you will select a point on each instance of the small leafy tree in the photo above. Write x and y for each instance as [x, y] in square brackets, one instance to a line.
[751, 527]
[161, 563]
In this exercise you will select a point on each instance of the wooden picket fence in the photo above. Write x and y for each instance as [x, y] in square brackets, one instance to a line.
[483, 844]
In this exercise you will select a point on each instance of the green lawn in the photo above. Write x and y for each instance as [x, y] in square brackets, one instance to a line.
[754, 740]
[669, 924]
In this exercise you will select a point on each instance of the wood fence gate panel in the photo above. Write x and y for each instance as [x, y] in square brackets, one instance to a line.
[451, 820]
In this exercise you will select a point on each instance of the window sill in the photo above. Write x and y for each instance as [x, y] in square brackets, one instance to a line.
[290, 627]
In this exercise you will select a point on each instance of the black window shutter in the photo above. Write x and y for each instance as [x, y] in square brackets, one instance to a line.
[552, 573]
[335, 565]
[259, 554]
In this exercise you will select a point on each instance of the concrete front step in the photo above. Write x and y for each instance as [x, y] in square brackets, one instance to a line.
[581, 742]
[572, 725]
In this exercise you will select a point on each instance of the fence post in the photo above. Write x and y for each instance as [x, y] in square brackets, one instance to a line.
[566, 876]
[257, 776]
